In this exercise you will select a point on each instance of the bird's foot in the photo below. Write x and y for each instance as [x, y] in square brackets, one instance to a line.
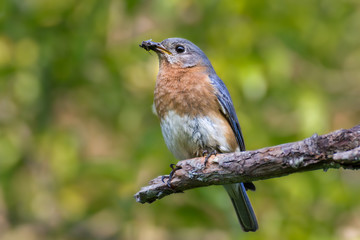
[174, 169]
[208, 155]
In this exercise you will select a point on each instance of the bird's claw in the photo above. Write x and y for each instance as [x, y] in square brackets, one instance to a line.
[174, 169]
[208, 155]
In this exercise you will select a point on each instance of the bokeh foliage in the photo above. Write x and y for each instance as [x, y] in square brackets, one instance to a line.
[78, 138]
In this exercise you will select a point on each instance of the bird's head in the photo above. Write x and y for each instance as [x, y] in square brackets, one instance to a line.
[178, 52]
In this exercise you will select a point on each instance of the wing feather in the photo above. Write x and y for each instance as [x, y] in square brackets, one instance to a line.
[227, 108]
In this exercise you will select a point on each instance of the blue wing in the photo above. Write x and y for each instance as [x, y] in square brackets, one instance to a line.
[227, 108]
[237, 192]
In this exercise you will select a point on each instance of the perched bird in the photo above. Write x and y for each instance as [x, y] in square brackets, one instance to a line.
[196, 113]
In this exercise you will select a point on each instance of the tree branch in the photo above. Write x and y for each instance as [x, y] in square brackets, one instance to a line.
[334, 150]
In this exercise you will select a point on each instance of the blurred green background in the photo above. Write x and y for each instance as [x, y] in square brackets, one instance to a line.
[78, 138]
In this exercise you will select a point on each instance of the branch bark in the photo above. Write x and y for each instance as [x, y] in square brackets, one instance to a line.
[334, 150]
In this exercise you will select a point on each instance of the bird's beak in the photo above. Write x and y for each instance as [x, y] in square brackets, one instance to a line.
[155, 46]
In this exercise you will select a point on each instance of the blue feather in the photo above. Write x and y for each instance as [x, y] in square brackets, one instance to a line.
[225, 101]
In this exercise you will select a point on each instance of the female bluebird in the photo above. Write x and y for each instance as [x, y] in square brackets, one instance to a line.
[196, 112]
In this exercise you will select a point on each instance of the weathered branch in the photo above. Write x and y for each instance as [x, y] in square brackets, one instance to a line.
[334, 150]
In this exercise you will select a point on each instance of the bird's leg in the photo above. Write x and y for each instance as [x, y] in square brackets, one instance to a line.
[208, 155]
[174, 169]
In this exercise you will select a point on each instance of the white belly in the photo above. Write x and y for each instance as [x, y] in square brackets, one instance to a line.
[188, 137]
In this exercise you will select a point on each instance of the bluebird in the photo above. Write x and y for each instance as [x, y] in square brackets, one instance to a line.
[196, 113]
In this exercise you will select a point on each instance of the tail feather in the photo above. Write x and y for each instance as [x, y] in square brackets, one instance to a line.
[242, 205]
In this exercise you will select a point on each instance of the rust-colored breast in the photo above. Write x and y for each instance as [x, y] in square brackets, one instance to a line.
[189, 93]
[186, 91]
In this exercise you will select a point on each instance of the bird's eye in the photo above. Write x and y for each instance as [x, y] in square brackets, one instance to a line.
[180, 49]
